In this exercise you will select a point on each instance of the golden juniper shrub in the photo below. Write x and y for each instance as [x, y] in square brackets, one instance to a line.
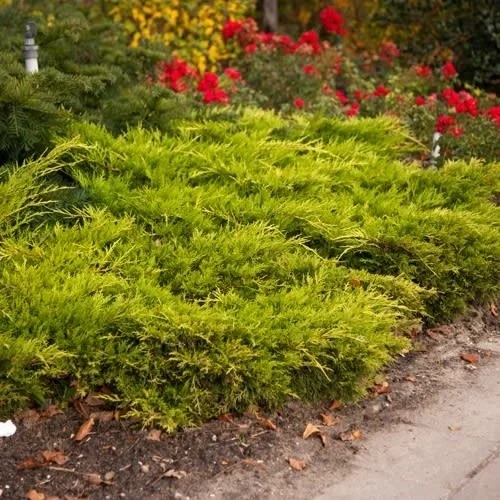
[192, 29]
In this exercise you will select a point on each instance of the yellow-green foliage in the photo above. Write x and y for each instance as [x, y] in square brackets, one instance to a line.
[192, 29]
[231, 263]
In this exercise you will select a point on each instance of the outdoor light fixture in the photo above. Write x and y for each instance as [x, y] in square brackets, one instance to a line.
[30, 49]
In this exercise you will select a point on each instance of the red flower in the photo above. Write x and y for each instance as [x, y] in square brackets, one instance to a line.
[448, 70]
[332, 21]
[299, 103]
[341, 97]
[215, 95]
[231, 29]
[457, 131]
[494, 114]
[381, 91]
[353, 109]
[444, 122]
[360, 95]
[419, 100]
[388, 52]
[311, 39]
[309, 69]
[250, 48]
[209, 81]
[173, 74]
[232, 73]
[423, 71]
[451, 97]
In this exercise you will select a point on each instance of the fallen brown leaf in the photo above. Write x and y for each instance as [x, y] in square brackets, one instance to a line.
[31, 463]
[94, 400]
[309, 431]
[103, 416]
[350, 435]
[94, 478]
[109, 476]
[383, 388]
[336, 404]
[268, 424]
[324, 438]
[328, 419]
[81, 407]
[52, 498]
[51, 411]
[35, 495]
[178, 474]
[493, 309]
[29, 416]
[454, 427]
[226, 417]
[56, 457]
[411, 378]
[84, 429]
[154, 435]
[296, 464]
[470, 358]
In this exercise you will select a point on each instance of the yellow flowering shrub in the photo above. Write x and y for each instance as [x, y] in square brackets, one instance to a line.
[192, 29]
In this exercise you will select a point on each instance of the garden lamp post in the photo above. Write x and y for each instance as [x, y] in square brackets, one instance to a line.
[30, 49]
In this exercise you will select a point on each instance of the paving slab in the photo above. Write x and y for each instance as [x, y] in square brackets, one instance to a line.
[449, 450]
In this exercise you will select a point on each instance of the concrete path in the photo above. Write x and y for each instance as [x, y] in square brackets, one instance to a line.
[447, 451]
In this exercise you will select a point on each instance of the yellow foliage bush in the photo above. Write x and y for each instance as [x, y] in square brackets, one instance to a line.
[192, 29]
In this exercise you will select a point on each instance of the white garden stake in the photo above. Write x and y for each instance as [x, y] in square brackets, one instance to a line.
[435, 149]
[30, 49]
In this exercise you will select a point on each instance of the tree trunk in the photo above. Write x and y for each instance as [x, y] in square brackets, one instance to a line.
[270, 15]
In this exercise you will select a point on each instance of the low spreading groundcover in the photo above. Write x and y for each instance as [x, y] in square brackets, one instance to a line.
[231, 263]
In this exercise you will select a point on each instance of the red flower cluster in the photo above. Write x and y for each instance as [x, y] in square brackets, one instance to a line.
[299, 103]
[423, 71]
[209, 86]
[381, 91]
[332, 21]
[233, 74]
[174, 74]
[494, 114]
[444, 123]
[388, 52]
[231, 29]
[448, 71]
[309, 69]
[462, 101]
[310, 39]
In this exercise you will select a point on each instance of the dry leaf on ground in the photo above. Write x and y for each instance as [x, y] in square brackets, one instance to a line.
[296, 464]
[154, 435]
[411, 378]
[328, 419]
[493, 309]
[177, 474]
[309, 431]
[94, 478]
[31, 463]
[56, 457]
[383, 388]
[470, 358]
[336, 404]
[102, 416]
[51, 411]
[350, 435]
[226, 417]
[84, 429]
[268, 424]
[35, 495]
[454, 427]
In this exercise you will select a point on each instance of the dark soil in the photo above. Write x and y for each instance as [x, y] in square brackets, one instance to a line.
[244, 457]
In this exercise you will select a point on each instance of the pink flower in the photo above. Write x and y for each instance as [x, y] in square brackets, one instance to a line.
[448, 70]
[419, 100]
[341, 97]
[299, 103]
[233, 73]
[332, 21]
